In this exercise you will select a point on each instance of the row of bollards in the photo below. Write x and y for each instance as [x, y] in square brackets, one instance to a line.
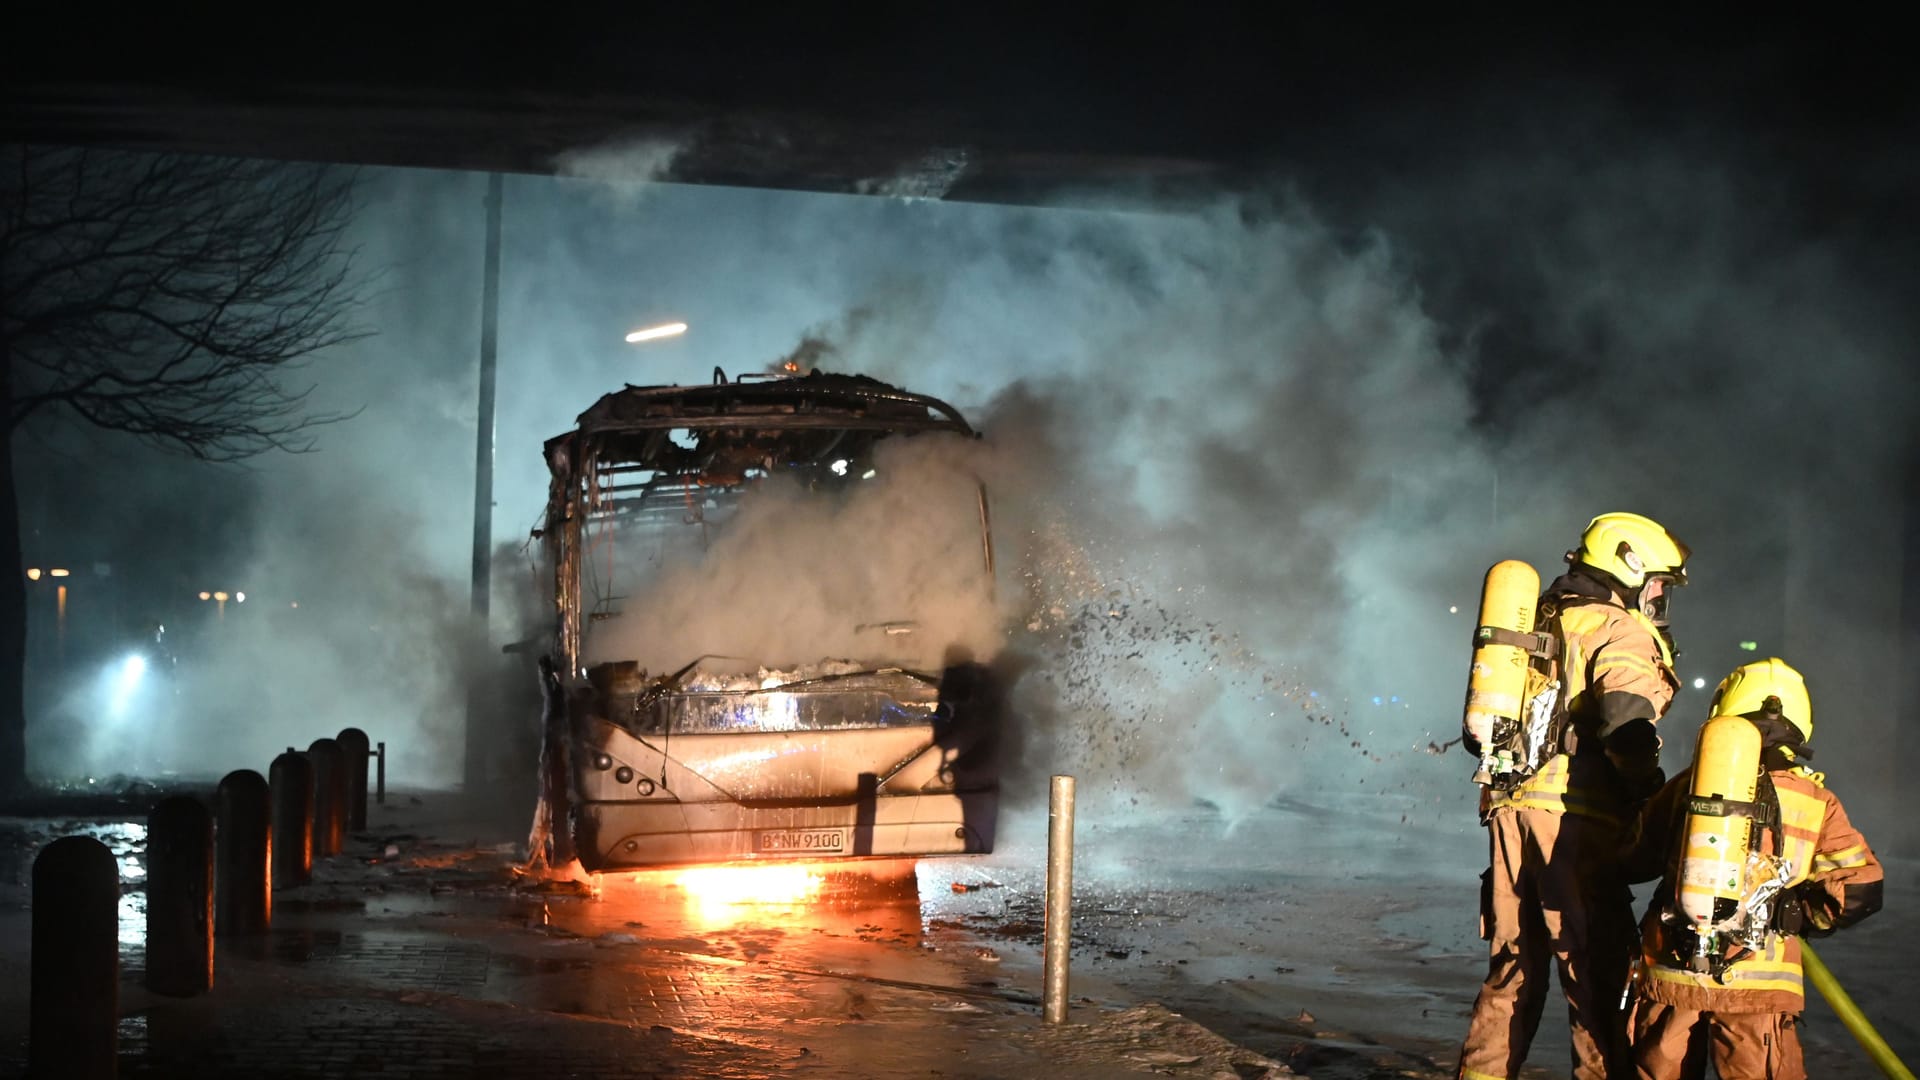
[208, 873]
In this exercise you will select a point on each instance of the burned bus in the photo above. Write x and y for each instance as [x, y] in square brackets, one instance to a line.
[712, 697]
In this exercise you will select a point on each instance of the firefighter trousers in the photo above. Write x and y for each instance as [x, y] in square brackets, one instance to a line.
[1552, 898]
[1675, 1044]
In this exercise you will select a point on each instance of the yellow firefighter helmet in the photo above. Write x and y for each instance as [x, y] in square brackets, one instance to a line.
[1632, 548]
[1764, 686]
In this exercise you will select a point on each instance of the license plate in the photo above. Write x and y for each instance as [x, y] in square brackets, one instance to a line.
[803, 840]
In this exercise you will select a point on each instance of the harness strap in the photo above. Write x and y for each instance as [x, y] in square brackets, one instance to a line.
[1536, 644]
[1766, 813]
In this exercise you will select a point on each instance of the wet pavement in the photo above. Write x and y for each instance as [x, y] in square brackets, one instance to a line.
[1340, 937]
[416, 953]
[1335, 940]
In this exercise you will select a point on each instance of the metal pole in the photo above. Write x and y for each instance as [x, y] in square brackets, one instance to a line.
[483, 468]
[380, 776]
[483, 429]
[986, 533]
[1059, 898]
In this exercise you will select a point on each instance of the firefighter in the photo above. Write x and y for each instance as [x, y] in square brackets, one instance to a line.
[1743, 1010]
[1552, 896]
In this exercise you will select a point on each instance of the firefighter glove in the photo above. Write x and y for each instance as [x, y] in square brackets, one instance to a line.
[1792, 916]
[1810, 910]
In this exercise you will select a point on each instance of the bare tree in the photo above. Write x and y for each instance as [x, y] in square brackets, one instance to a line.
[168, 297]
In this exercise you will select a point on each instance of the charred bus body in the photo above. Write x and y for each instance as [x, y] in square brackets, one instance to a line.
[726, 758]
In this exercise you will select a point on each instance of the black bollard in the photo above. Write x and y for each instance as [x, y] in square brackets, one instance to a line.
[329, 797]
[74, 1004]
[180, 897]
[355, 748]
[243, 855]
[291, 778]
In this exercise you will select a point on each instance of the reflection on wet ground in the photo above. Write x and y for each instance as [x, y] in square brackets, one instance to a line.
[1341, 943]
[22, 838]
[1231, 924]
[399, 927]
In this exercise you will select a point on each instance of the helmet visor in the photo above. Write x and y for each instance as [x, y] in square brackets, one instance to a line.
[1654, 596]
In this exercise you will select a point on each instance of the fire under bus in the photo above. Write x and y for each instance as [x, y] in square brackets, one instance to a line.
[718, 761]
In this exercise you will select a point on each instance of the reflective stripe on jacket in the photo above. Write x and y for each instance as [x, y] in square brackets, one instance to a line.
[1818, 843]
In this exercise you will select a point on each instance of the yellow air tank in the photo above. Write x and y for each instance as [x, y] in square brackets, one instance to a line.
[1497, 682]
[1726, 773]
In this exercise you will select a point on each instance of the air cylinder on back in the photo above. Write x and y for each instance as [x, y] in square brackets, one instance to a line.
[1497, 682]
[1718, 830]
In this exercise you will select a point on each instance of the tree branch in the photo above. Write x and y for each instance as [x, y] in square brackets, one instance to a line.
[170, 297]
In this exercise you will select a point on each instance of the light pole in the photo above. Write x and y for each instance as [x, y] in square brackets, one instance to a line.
[60, 619]
[481, 600]
[59, 608]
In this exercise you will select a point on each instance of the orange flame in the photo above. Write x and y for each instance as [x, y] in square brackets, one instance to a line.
[715, 888]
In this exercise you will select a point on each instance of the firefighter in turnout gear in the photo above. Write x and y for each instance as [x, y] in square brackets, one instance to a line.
[1553, 896]
[1726, 982]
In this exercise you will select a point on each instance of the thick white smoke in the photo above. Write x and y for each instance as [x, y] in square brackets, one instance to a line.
[794, 578]
[1248, 464]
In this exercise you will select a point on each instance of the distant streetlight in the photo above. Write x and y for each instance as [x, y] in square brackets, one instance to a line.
[33, 573]
[59, 573]
[664, 330]
[205, 595]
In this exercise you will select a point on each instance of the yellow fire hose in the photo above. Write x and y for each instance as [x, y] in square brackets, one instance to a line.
[1850, 1015]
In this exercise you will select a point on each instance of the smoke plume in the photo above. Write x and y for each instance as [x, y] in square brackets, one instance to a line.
[1248, 456]
[795, 578]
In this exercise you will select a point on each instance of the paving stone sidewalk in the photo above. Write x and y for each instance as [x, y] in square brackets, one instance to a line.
[412, 957]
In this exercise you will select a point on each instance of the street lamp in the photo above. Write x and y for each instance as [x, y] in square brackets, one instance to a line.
[664, 330]
[34, 573]
[221, 597]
